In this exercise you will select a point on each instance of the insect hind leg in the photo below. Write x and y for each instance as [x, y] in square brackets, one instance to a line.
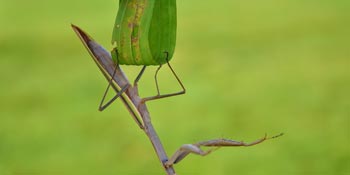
[137, 79]
[159, 96]
[156, 80]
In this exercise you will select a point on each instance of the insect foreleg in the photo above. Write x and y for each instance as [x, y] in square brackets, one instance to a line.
[119, 93]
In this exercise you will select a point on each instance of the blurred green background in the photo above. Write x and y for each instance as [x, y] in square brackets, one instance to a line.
[250, 68]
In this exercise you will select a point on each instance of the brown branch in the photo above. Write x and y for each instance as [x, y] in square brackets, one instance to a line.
[130, 98]
[195, 148]
[139, 111]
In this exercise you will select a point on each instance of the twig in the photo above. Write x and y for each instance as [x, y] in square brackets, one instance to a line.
[139, 111]
[195, 148]
[131, 99]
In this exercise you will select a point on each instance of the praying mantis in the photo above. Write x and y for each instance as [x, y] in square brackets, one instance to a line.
[145, 34]
[139, 111]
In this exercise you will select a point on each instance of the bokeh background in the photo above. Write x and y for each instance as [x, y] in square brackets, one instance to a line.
[250, 68]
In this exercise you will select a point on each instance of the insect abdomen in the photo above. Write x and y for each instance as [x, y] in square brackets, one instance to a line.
[145, 31]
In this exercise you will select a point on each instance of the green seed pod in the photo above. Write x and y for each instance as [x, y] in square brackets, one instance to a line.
[145, 31]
